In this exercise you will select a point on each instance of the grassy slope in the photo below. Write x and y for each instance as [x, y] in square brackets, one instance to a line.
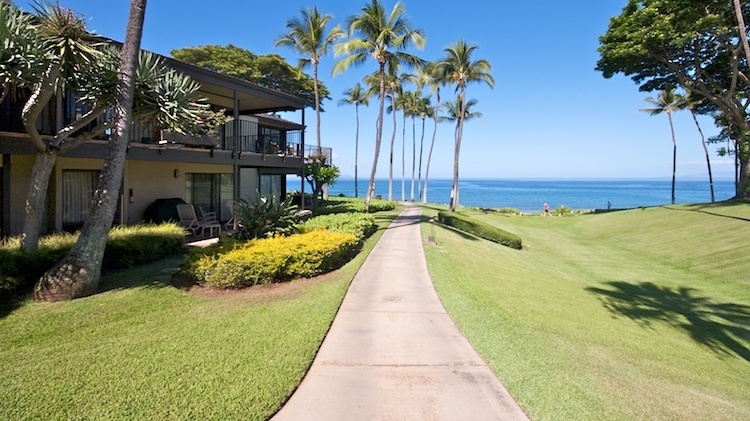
[144, 350]
[637, 314]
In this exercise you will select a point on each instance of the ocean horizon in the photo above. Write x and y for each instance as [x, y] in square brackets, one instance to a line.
[530, 195]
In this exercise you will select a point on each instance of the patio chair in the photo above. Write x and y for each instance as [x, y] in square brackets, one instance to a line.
[205, 217]
[189, 220]
[233, 223]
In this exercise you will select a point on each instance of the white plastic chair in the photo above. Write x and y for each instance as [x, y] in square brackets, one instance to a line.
[189, 220]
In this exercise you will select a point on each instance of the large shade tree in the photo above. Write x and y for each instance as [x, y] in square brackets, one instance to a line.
[667, 102]
[460, 69]
[268, 70]
[384, 37]
[693, 44]
[356, 95]
[78, 273]
[307, 35]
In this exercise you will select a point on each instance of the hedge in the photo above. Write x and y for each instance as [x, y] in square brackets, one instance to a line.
[360, 224]
[236, 265]
[126, 247]
[480, 229]
[353, 204]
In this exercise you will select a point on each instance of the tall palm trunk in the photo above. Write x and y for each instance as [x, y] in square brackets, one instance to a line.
[413, 154]
[708, 160]
[356, 150]
[378, 138]
[432, 145]
[393, 141]
[317, 103]
[78, 273]
[403, 159]
[459, 134]
[419, 172]
[674, 155]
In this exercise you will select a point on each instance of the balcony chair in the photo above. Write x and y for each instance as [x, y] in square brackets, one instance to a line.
[189, 220]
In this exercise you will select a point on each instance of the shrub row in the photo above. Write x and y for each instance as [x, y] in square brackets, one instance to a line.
[360, 224]
[480, 229]
[232, 264]
[126, 247]
[353, 204]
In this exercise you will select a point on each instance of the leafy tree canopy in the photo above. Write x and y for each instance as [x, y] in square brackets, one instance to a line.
[270, 70]
[691, 43]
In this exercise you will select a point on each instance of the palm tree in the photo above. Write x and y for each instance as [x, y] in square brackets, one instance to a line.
[307, 35]
[393, 89]
[458, 68]
[401, 101]
[384, 38]
[686, 102]
[453, 111]
[77, 275]
[667, 102]
[411, 108]
[356, 95]
[434, 85]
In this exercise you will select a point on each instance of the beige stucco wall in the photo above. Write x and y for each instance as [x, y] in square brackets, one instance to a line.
[149, 181]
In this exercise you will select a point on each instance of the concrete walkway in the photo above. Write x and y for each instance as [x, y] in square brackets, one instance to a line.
[393, 353]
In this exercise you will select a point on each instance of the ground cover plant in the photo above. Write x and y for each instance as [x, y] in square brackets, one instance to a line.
[127, 247]
[142, 349]
[637, 314]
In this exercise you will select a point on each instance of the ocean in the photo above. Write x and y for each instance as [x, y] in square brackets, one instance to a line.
[531, 195]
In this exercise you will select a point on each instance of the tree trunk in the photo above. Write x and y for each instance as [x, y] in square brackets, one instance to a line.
[742, 155]
[674, 155]
[393, 141]
[378, 139]
[432, 145]
[317, 103]
[741, 28]
[36, 199]
[356, 151]
[78, 274]
[419, 172]
[403, 159]
[459, 134]
[413, 155]
[705, 149]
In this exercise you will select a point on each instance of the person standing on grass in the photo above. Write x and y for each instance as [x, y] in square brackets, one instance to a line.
[546, 209]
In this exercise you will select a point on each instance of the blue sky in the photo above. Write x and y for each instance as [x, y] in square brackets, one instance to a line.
[551, 115]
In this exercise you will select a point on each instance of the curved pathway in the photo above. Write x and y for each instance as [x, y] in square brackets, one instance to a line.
[393, 353]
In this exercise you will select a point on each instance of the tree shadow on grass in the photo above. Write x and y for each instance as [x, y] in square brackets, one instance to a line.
[722, 327]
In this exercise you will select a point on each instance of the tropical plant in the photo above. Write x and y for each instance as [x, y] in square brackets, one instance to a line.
[319, 174]
[393, 90]
[667, 102]
[686, 102]
[307, 35]
[453, 113]
[384, 38]
[459, 69]
[266, 217]
[356, 95]
[78, 273]
[434, 85]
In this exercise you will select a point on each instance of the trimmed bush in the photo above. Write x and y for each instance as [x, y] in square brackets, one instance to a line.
[480, 229]
[126, 247]
[360, 224]
[238, 265]
[353, 204]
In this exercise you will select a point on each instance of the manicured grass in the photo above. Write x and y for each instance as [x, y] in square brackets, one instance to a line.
[141, 349]
[639, 314]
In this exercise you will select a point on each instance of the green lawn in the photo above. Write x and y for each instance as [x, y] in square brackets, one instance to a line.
[141, 349]
[638, 314]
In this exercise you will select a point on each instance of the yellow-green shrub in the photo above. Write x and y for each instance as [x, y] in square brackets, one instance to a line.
[274, 259]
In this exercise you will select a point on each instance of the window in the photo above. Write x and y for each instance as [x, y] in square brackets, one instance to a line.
[211, 192]
[78, 188]
[270, 185]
